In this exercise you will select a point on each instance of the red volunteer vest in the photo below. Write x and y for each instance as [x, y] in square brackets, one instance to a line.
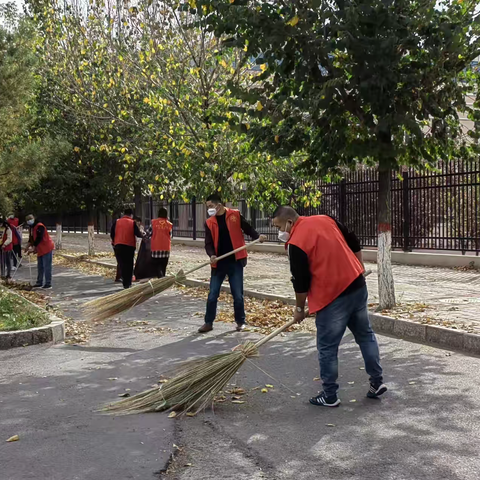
[333, 266]
[9, 247]
[13, 222]
[46, 245]
[161, 241]
[125, 232]
[232, 218]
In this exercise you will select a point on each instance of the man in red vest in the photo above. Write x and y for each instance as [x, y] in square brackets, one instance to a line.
[224, 232]
[40, 243]
[6, 248]
[327, 268]
[123, 233]
[17, 239]
[160, 233]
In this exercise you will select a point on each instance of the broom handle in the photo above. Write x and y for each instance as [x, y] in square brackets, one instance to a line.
[289, 324]
[206, 264]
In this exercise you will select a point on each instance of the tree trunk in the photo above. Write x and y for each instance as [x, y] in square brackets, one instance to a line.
[58, 236]
[386, 287]
[137, 191]
[91, 234]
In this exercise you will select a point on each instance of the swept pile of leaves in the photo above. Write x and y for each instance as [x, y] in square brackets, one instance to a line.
[263, 316]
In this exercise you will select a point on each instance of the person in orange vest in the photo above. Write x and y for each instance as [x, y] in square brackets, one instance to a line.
[17, 239]
[160, 233]
[327, 268]
[6, 248]
[40, 243]
[123, 234]
[224, 232]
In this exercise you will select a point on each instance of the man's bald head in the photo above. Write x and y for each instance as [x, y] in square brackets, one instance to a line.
[284, 217]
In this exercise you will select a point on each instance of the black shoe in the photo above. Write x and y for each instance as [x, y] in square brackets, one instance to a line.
[376, 390]
[37, 285]
[206, 327]
[47, 287]
[241, 327]
[323, 401]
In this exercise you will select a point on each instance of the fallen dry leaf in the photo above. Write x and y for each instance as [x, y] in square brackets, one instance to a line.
[124, 395]
[264, 390]
[269, 386]
[15, 438]
[350, 383]
[412, 383]
[330, 424]
[353, 401]
[316, 379]
[238, 401]
[190, 414]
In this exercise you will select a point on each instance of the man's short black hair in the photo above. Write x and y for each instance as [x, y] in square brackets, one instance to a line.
[128, 211]
[137, 219]
[162, 212]
[285, 212]
[214, 198]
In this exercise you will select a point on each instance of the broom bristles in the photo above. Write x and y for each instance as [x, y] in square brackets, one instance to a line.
[193, 388]
[116, 303]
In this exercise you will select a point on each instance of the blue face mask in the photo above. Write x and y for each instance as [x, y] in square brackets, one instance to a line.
[30, 222]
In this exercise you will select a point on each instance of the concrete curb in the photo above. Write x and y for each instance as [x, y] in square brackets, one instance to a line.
[53, 332]
[427, 334]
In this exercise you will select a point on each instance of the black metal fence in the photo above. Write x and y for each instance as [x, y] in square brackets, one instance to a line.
[431, 209]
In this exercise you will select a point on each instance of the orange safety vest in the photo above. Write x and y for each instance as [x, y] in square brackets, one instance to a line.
[125, 232]
[333, 266]
[13, 222]
[161, 241]
[233, 221]
[46, 245]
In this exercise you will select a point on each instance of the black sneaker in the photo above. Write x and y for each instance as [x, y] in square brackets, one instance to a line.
[47, 287]
[37, 285]
[376, 390]
[323, 401]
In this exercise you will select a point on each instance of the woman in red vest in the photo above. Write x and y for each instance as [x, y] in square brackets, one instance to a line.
[123, 234]
[160, 233]
[327, 268]
[17, 239]
[41, 244]
[224, 232]
[6, 246]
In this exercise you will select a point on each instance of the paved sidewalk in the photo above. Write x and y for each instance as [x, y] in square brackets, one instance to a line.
[425, 428]
[438, 293]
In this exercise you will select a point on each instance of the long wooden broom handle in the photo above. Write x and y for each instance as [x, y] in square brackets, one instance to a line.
[289, 324]
[206, 264]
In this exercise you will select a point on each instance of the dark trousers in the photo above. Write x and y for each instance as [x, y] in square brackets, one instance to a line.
[125, 255]
[44, 269]
[234, 270]
[6, 263]
[160, 266]
[350, 311]
[17, 250]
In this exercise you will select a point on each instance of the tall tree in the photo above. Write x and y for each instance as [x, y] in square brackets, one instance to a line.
[379, 82]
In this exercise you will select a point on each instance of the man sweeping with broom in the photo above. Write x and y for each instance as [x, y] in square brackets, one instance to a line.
[224, 232]
[327, 268]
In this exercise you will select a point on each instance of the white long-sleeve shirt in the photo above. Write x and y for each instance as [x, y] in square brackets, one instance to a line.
[9, 238]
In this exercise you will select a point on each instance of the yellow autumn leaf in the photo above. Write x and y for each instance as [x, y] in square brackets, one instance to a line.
[238, 402]
[269, 386]
[277, 138]
[202, 174]
[293, 21]
[15, 438]
[264, 390]
[247, 125]
[207, 154]
[190, 414]
[263, 67]
[172, 415]
[259, 106]
[76, 149]
[232, 1]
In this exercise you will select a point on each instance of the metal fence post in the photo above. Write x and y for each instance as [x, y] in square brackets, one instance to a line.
[406, 212]
[194, 217]
[253, 217]
[171, 218]
[342, 203]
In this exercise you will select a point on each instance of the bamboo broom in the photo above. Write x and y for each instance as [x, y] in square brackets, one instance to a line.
[196, 383]
[110, 305]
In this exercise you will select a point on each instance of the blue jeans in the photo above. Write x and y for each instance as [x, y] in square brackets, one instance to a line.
[350, 311]
[234, 270]
[44, 267]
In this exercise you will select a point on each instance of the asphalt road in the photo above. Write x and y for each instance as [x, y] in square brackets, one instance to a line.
[425, 428]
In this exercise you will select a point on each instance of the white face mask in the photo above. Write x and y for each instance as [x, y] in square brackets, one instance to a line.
[30, 222]
[284, 236]
[211, 212]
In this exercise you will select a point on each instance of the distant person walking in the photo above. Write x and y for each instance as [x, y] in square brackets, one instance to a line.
[42, 245]
[160, 233]
[123, 234]
[17, 239]
[6, 248]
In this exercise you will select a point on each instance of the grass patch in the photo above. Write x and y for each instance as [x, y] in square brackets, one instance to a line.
[18, 314]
